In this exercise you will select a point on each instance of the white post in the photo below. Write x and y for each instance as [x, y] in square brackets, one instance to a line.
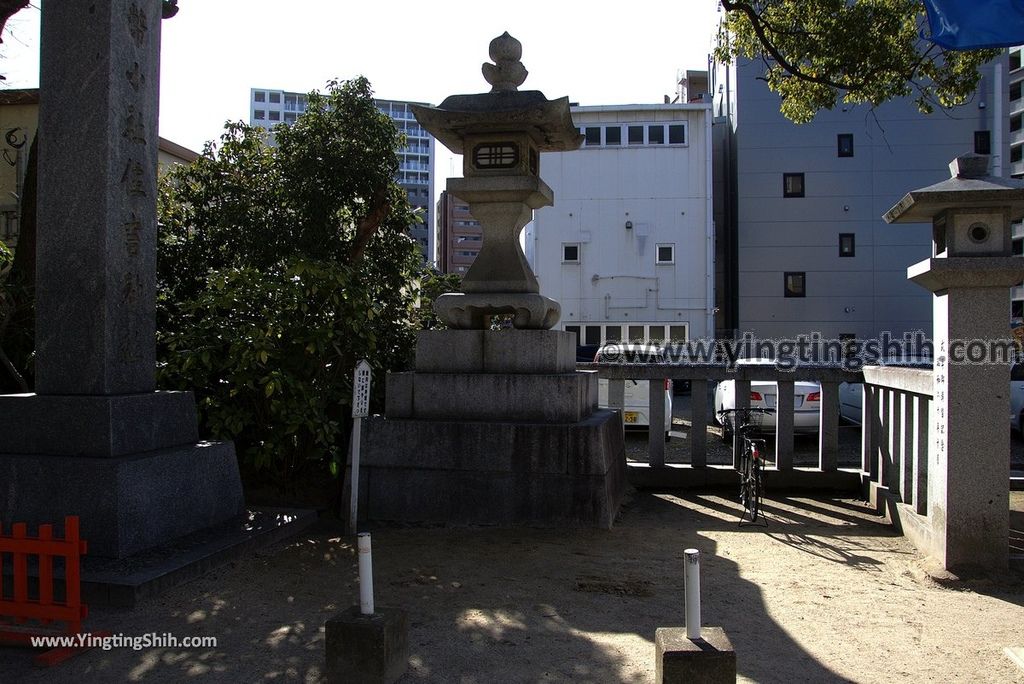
[691, 589]
[360, 409]
[365, 575]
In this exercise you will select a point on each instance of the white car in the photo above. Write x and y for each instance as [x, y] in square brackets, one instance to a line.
[636, 404]
[851, 399]
[806, 402]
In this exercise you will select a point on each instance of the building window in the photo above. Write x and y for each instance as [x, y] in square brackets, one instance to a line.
[613, 333]
[1015, 123]
[275, 97]
[1015, 153]
[592, 334]
[666, 253]
[636, 135]
[570, 252]
[259, 114]
[792, 185]
[613, 135]
[795, 283]
[847, 245]
[982, 142]
[575, 330]
[593, 135]
[275, 116]
[289, 117]
[1014, 60]
[677, 134]
[655, 135]
[844, 141]
[1014, 91]
[260, 96]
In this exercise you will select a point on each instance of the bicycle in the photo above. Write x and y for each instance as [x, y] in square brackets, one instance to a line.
[751, 463]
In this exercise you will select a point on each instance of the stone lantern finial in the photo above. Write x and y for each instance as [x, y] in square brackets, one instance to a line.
[507, 73]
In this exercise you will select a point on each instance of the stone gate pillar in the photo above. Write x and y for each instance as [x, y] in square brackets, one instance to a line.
[970, 272]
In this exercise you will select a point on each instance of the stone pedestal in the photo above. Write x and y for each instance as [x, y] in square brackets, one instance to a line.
[494, 427]
[366, 649]
[679, 660]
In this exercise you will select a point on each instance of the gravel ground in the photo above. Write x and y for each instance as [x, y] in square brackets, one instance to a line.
[824, 593]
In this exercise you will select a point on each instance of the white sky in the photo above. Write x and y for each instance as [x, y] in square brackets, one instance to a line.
[214, 51]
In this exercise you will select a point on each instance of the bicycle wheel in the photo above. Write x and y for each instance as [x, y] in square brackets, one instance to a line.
[747, 492]
[753, 479]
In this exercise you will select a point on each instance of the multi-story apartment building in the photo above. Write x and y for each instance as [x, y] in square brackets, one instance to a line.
[268, 108]
[459, 236]
[628, 247]
[805, 244]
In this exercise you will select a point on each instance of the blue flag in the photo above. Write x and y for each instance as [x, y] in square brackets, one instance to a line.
[975, 24]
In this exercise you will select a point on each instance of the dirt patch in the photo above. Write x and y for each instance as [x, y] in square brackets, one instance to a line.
[824, 593]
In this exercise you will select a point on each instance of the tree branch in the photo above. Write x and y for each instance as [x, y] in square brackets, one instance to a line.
[759, 29]
[380, 206]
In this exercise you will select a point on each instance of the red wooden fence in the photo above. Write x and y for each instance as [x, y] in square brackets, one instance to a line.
[23, 617]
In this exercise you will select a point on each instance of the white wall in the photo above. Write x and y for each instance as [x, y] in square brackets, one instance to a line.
[663, 190]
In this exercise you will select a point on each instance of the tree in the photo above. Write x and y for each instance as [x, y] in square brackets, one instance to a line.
[817, 52]
[279, 267]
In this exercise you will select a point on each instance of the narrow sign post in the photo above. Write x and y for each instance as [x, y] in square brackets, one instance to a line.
[360, 409]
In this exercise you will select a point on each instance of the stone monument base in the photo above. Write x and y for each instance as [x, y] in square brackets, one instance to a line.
[493, 428]
[494, 473]
[126, 504]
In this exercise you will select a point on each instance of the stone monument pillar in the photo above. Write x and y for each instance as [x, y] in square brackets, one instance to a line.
[970, 273]
[96, 440]
[496, 426]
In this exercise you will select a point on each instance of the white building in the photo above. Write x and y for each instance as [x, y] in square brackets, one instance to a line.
[267, 108]
[628, 247]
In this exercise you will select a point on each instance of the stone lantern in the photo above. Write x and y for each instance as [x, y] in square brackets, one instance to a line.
[970, 273]
[500, 136]
[496, 426]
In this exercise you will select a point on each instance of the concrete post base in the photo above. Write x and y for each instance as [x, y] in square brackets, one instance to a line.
[367, 649]
[709, 659]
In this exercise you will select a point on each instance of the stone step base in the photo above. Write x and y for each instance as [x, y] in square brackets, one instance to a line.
[561, 398]
[125, 504]
[496, 351]
[493, 473]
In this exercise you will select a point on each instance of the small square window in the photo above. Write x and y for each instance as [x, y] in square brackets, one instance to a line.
[259, 115]
[289, 117]
[844, 141]
[795, 283]
[570, 253]
[613, 135]
[655, 135]
[275, 116]
[260, 96]
[275, 97]
[792, 185]
[677, 134]
[1015, 91]
[636, 334]
[592, 334]
[982, 142]
[636, 135]
[613, 333]
[677, 333]
[666, 254]
[1015, 153]
[847, 245]
[593, 135]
